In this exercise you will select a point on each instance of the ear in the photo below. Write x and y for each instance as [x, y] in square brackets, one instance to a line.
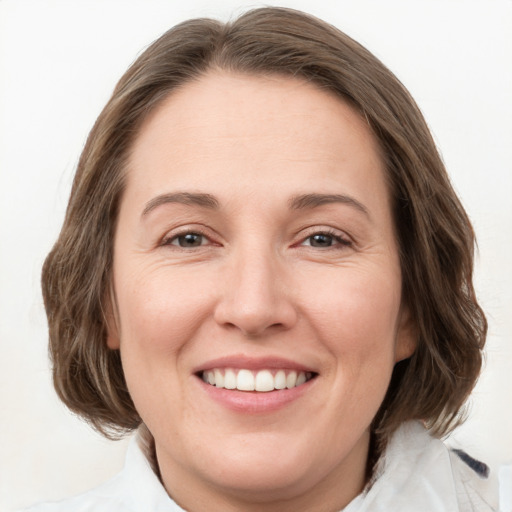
[406, 336]
[111, 319]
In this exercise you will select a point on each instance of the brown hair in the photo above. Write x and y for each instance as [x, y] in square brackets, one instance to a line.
[435, 238]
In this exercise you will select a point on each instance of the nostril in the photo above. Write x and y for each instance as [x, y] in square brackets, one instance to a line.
[255, 307]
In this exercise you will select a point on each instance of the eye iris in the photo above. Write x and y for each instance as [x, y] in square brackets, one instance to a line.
[321, 240]
[190, 240]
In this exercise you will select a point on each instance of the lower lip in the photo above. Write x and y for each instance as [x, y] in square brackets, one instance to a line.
[253, 402]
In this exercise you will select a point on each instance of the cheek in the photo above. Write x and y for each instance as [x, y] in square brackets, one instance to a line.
[159, 311]
[159, 317]
[357, 311]
[356, 318]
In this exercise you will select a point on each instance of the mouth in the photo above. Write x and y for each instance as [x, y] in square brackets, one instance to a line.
[260, 381]
[255, 385]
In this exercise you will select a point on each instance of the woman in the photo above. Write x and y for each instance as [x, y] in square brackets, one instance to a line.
[264, 269]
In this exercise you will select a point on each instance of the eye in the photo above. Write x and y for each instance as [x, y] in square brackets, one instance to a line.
[325, 240]
[187, 240]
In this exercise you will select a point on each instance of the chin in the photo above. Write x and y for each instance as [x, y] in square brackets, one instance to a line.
[264, 480]
[262, 469]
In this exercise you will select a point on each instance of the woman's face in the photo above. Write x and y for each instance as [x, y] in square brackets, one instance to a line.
[255, 248]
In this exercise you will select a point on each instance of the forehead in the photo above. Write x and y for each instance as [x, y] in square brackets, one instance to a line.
[242, 130]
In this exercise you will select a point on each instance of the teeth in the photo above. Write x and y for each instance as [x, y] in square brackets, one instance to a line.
[301, 378]
[219, 379]
[229, 379]
[280, 380]
[262, 381]
[291, 380]
[245, 380]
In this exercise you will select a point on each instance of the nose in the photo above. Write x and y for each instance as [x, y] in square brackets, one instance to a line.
[255, 297]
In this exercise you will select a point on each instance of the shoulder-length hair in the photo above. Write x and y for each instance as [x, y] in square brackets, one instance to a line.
[435, 237]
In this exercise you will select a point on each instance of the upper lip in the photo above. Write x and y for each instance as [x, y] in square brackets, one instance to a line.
[253, 363]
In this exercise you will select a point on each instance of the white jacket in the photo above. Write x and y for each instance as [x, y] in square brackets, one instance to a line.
[417, 473]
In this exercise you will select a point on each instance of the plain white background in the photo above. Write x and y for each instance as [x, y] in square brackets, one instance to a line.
[59, 61]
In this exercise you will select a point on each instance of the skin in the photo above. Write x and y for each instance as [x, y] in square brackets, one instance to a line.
[258, 285]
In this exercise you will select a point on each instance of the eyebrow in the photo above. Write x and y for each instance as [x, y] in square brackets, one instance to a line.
[189, 198]
[307, 201]
[300, 202]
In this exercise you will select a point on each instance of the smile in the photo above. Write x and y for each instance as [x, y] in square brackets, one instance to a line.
[263, 381]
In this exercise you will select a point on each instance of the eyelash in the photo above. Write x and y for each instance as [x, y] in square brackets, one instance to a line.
[167, 241]
[336, 237]
[339, 239]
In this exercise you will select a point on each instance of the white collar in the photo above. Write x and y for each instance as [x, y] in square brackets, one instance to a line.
[415, 473]
[146, 490]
